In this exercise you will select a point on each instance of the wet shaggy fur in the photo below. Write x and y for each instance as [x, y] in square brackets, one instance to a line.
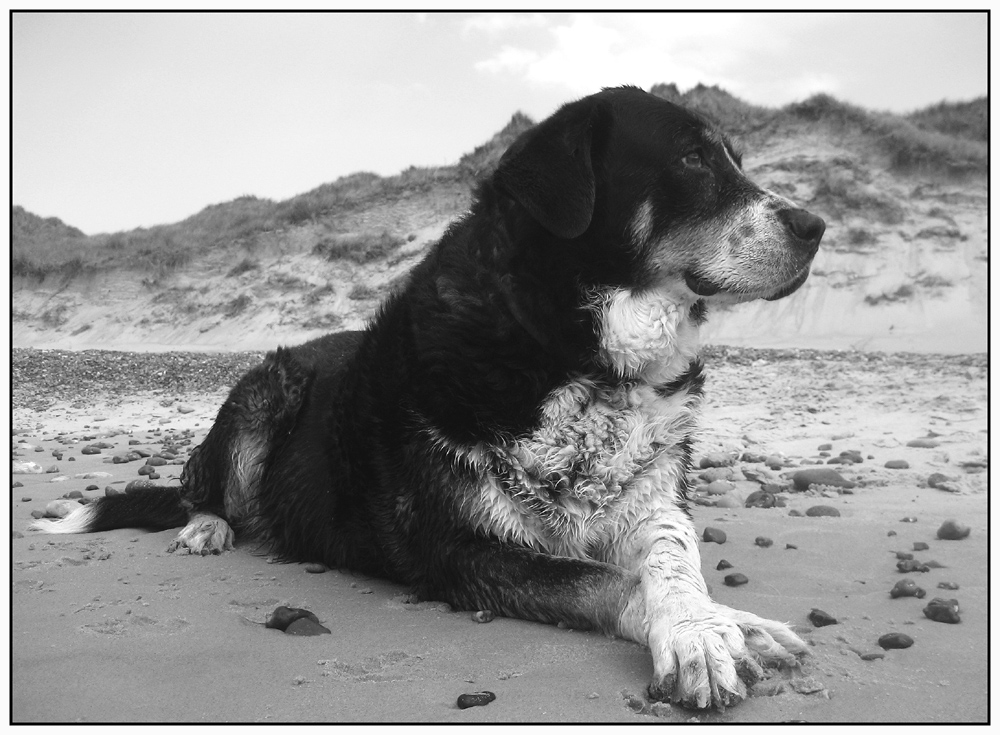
[513, 430]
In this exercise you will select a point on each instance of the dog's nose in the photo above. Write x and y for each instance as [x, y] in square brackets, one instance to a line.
[806, 227]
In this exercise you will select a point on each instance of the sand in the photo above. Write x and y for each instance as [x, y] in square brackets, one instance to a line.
[109, 627]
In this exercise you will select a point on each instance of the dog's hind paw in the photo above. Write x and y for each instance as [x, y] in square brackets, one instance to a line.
[204, 534]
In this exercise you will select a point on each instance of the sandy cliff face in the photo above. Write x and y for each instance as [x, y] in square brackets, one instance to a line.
[902, 267]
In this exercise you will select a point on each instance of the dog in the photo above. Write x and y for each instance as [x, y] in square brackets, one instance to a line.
[513, 430]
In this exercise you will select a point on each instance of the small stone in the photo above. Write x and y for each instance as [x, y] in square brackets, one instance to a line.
[110, 491]
[634, 703]
[723, 564]
[819, 476]
[912, 565]
[735, 580]
[791, 546]
[146, 470]
[714, 535]
[823, 510]
[717, 459]
[947, 585]
[760, 499]
[763, 542]
[952, 530]
[36, 514]
[156, 461]
[483, 616]
[920, 546]
[824, 447]
[91, 488]
[922, 443]
[60, 508]
[872, 656]
[942, 611]
[90, 450]
[895, 640]
[476, 699]
[819, 618]
[904, 555]
[719, 487]
[806, 685]
[305, 626]
[315, 568]
[897, 464]
[283, 616]
[906, 588]
[908, 519]
[25, 499]
[73, 495]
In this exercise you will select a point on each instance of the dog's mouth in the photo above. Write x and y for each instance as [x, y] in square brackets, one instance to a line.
[791, 287]
[703, 287]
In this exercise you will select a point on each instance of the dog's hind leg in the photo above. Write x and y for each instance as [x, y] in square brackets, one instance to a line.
[221, 481]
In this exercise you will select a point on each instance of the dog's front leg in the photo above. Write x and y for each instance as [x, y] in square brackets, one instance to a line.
[703, 654]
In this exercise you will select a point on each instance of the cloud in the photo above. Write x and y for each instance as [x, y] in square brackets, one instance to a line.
[494, 23]
[750, 55]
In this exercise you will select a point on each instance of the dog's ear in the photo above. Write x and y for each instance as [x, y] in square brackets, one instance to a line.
[549, 171]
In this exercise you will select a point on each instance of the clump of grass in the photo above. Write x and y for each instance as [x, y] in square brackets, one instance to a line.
[902, 293]
[484, 158]
[244, 266]
[237, 306]
[842, 194]
[317, 294]
[360, 248]
[362, 292]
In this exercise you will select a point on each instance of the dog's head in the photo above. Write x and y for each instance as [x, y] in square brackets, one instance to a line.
[660, 196]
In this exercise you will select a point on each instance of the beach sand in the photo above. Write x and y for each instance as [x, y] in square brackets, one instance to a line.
[109, 627]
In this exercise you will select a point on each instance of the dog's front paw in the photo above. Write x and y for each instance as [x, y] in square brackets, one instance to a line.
[204, 534]
[708, 655]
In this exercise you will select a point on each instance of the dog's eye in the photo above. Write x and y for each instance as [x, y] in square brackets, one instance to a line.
[693, 159]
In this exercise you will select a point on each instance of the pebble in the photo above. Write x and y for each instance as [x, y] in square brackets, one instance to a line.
[717, 459]
[762, 499]
[476, 699]
[735, 580]
[714, 535]
[897, 464]
[728, 501]
[315, 568]
[819, 618]
[947, 585]
[110, 491]
[25, 499]
[283, 616]
[719, 487]
[920, 546]
[906, 588]
[823, 510]
[904, 555]
[791, 546]
[146, 470]
[723, 564]
[908, 519]
[483, 616]
[156, 461]
[73, 495]
[942, 611]
[305, 626]
[60, 508]
[911, 565]
[922, 443]
[716, 473]
[819, 476]
[90, 450]
[763, 542]
[872, 656]
[895, 640]
[952, 530]
[26, 468]
[36, 514]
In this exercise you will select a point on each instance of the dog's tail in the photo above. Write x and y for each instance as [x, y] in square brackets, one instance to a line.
[156, 508]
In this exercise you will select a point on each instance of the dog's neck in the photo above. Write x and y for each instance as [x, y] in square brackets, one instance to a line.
[650, 335]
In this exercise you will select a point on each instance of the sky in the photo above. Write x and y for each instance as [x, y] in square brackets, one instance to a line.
[125, 120]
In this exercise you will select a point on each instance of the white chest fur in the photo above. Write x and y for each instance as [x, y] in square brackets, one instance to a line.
[600, 457]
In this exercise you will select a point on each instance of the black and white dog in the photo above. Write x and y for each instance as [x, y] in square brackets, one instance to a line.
[513, 430]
